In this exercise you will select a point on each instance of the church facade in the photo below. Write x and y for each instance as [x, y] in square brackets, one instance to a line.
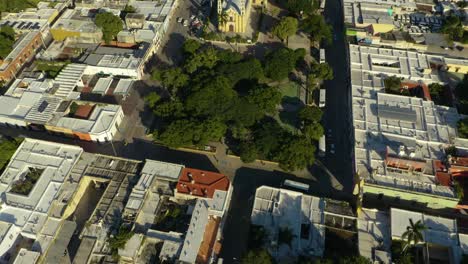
[234, 15]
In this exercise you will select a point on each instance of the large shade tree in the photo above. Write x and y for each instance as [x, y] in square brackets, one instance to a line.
[7, 40]
[110, 25]
[285, 28]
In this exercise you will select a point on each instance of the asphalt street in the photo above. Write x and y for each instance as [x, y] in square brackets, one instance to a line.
[322, 177]
[337, 116]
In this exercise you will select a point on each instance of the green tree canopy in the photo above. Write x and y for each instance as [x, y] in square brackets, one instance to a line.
[173, 79]
[169, 109]
[213, 99]
[191, 46]
[462, 92]
[129, 9]
[8, 147]
[265, 97]
[152, 99]
[298, 7]
[228, 56]
[295, 153]
[322, 71]
[267, 138]
[204, 59]
[110, 25]
[260, 256]
[317, 28]
[392, 85]
[244, 70]
[247, 152]
[16, 5]
[453, 27]
[119, 240]
[192, 132]
[463, 128]
[7, 40]
[243, 112]
[285, 28]
[279, 63]
[437, 92]
[313, 131]
[310, 114]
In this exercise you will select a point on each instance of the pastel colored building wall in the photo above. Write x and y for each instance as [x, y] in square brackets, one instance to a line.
[432, 201]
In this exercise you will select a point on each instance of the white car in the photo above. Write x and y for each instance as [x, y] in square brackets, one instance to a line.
[192, 17]
[185, 23]
[179, 20]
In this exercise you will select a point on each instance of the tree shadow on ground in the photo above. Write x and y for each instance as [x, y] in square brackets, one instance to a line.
[260, 50]
[171, 52]
[246, 182]
[289, 118]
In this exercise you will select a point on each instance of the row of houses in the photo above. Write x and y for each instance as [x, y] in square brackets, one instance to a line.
[56, 197]
[45, 196]
[57, 105]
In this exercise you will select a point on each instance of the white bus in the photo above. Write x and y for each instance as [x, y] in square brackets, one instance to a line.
[322, 98]
[322, 56]
[322, 146]
[296, 185]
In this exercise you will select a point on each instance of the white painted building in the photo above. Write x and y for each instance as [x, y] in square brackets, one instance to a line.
[35, 215]
[303, 215]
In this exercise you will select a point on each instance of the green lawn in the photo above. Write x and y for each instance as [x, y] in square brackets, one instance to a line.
[288, 118]
[289, 89]
[8, 148]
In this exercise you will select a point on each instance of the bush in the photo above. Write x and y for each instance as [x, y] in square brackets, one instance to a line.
[25, 186]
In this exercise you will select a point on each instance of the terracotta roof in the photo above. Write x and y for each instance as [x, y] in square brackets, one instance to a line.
[418, 85]
[459, 161]
[441, 173]
[209, 239]
[201, 183]
[84, 111]
[405, 164]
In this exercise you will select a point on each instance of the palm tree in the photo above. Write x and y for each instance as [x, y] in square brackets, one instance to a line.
[223, 18]
[413, 233]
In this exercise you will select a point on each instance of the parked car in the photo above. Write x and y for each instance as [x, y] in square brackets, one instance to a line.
[185, 23]
[459, 48]
[179, 20]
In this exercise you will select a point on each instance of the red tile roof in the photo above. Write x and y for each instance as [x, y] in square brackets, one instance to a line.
[201, 183]
[405, 164]
[209, 239]
[84, 111]
[412, 85]
[441, 173]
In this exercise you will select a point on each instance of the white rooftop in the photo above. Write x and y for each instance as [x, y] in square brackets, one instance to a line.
[279, 208]
[123, 87]
[102, 85]
[194, 236]
[385, 122]
[374, 235]
[100, 120]
[26, 257]
[162, 170]
[56, 160]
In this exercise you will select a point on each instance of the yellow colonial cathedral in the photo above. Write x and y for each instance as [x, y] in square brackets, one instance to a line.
[234, 15]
